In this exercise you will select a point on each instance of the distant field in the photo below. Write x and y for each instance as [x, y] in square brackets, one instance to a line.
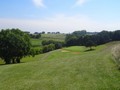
[57, 37]
[60, 70]
[36, 42]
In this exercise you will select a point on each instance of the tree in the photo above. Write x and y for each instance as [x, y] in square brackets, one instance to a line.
[58, 44]
[79, 33]
[88, 41]
[116, 35]
[35, 36]
[38, 36]
[14, 45]
[71, 40]
[43, 32]
[103, 37]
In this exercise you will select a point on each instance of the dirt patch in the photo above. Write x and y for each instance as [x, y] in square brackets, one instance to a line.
[76, 52]
[62, 50]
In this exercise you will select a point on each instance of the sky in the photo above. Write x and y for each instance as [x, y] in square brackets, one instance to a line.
[64, 16]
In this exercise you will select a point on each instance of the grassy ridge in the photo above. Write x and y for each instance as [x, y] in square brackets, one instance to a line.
[58, 70]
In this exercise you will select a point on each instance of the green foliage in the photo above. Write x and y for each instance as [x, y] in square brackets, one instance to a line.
[14, 45]
[89, 41]
[76, 38]
[57, 44]
[103, 37]
[71, 40]
[79, 33]
[48, 48]
[35, 51]
[35, 36]
[116, 35]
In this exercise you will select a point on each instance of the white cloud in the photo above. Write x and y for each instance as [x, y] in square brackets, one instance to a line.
[80, 3]
[60, 23]
[39, 3]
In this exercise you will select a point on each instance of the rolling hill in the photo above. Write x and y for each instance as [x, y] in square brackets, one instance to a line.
[72, 68]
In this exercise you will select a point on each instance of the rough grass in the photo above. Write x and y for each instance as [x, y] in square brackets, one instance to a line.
[116, 54]
[57, 70]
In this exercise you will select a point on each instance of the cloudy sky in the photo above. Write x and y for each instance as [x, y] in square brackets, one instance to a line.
[60, 15]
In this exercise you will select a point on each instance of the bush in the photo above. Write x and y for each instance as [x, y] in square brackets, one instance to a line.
[35, 51]
[57, 44]
[48, 48]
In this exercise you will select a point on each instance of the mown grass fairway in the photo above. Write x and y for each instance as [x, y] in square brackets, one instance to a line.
[57, 70]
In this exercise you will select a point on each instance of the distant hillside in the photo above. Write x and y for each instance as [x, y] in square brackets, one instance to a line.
[56, 37]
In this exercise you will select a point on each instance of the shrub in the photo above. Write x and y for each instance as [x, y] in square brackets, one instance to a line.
[48, 48]
[35, 51]
[57, 44]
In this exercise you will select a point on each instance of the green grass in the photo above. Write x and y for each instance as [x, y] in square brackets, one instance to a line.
[57, 70]
[75, 49]
[56, 37]
[36, 42]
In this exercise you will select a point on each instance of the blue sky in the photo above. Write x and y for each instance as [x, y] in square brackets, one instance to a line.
[60, 15]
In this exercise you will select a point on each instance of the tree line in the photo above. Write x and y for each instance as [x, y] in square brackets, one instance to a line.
[82, 38]
[37, 35]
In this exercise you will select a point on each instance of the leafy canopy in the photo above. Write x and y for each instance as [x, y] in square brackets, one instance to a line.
[14, 44]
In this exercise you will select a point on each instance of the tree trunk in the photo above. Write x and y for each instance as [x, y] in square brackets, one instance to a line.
[13, 61]
[18, 60]
[7, 61]
[90, 48]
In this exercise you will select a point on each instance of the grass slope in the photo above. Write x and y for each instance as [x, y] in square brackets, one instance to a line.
[58, 70]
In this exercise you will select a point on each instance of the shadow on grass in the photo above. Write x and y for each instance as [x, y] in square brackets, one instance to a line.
[89, 50]
[2, 64]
